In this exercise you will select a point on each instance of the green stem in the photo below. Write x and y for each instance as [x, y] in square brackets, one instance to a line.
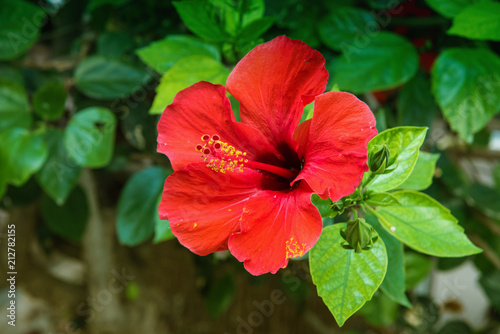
[370, 179]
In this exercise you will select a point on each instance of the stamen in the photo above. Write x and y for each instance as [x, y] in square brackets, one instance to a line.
[222, 157]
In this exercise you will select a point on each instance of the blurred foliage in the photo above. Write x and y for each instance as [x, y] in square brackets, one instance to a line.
[82, 82]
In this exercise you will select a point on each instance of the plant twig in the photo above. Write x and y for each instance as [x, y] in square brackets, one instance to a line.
[98, 253]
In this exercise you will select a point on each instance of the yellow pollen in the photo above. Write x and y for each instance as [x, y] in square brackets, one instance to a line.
[194, 226]
[219, 155]
[229, 210]
[294, 249]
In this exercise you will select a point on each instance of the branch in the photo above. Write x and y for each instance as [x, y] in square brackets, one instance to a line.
[98, 253]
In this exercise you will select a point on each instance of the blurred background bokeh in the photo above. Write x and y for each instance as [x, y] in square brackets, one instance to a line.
[82, 84]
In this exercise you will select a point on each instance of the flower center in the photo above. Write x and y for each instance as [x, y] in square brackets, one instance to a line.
[223, 157]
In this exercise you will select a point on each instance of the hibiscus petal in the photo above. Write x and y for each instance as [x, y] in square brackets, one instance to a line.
[204, 207]
[273, 82]
[275, 226]
[335, 150]
[203, 108]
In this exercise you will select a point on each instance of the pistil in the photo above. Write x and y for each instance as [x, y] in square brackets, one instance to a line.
[283, 172]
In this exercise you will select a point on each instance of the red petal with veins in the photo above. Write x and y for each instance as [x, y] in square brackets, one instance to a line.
[203, 108]
[276, 226]
[204, 207]
[273, 82]
[335, 150]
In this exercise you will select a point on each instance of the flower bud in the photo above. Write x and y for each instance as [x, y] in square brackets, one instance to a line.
[358, 235]
[381, 161]
[339, 207]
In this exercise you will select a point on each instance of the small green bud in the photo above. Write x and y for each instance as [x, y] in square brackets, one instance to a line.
[358, 235]
[339, 207]
[381, 161]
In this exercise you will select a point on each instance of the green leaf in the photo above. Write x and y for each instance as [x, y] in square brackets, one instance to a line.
[183, 74]
[162, 227]
[49, 100]
[253, 30]
[345, 279]
[60, 173]
[416, 105]
[405, 141]
[20, 23]
[89, 137]
[68, 220]
[393, 284]
[201, 18]
[220, 296]
[163, 54]
[102, 78]
[465, 84]
[380, 199]
[485, 199]
[449, 8]
[385, 60]
[425, 225]
[238, 14]
[345, 25]
[423, 172]
[324, 206]
[23, 153]
[114, 44]
[11, 73]
[478, 21]
[137, 206]
[417, 267]
[14, 107]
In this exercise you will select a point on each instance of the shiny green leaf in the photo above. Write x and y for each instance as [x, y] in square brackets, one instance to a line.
[406, 141]
[202, 19]
[67, 220]
[89, 137]
[380, 199]
[425, 225]
[393, 284]
[478, 21]
[20, 23]
[345, 25]
[49, 100]
[384, 60]
[465, 84]
[60, 173]
[162, 54]
[183, 74]
[449, 8]
[102, 78]
[137, 206]
[423, 172]
[345, 279]
[22, 154]
[14, 107]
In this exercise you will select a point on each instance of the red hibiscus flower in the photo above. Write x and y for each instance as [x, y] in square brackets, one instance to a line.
[246, 186]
